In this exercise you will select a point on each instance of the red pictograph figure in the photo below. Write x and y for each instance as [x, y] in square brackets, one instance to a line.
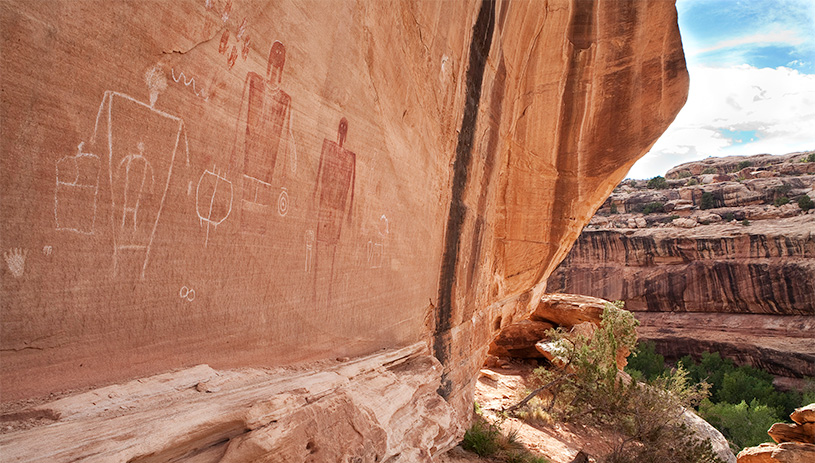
[335, 190]
[266, 127]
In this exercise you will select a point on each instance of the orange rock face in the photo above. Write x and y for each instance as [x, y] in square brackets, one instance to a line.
[252, 183]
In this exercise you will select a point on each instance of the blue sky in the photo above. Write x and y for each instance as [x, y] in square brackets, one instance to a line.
[752, 90]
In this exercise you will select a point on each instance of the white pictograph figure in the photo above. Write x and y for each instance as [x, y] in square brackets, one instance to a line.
[47, 250]
[142, 145]
[187, 293]
[137, 174]
[76, 192]
[283, 202]
[15, 259]
[213, 200]
[189, 83]
[376, 246]
[309, 238]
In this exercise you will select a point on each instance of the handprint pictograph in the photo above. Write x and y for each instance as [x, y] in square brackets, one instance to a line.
[15, 259]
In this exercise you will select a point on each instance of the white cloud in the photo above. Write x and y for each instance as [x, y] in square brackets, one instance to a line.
[778, 104]
[786, 37]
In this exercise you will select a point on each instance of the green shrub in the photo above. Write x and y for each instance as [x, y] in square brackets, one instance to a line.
[781, 201]
[729, 217]
[744, 164]
[745, 222]
[593, 390]
[805, 202]
[613, 208]
[710, 170]
[692, 182]
[650, 208]
[657, 183]
[486, 440]
[708, 201]
[811, 157]
[684, 174]
[743, 425]
[482, 439]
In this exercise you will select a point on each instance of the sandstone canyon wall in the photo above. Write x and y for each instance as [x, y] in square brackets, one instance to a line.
[254, 184]
[734, 273]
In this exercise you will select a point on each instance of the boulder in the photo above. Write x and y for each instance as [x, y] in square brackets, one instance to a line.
[568, 310]
[783, 432]
[804, 414]
[706, 431]
[788, 452]
[685, 222]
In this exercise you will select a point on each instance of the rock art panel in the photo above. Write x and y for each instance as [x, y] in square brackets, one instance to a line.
[288, 189]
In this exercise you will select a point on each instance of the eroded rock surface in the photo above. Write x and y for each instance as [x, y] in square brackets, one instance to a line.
[248, 183]
[372, 409]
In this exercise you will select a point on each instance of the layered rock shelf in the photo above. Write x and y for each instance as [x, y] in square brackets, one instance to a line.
[262, 184]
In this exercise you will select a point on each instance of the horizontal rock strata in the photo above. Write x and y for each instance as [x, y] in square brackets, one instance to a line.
[768, 267]
[378, 408]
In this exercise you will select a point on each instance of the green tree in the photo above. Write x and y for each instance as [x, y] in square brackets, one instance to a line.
[745, 384]
[743, 425]
[657, 183]
[805, 202]
[645, 362]
[711, 368]
[708, 201]
[655, 206]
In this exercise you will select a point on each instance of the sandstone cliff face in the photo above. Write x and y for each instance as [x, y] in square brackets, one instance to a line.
[247, 183]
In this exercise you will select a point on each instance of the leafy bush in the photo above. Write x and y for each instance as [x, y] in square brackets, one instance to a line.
[781, 201]
[811, 157]
[744, 164]
[708, 201]
[745, 222]
[655, 206]
[710, 170]
[590, 388]
[692, 182]
[657, 183]
[684, 174]
[805, 203]
[729, 217]
[613, 208]
[743, 425]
